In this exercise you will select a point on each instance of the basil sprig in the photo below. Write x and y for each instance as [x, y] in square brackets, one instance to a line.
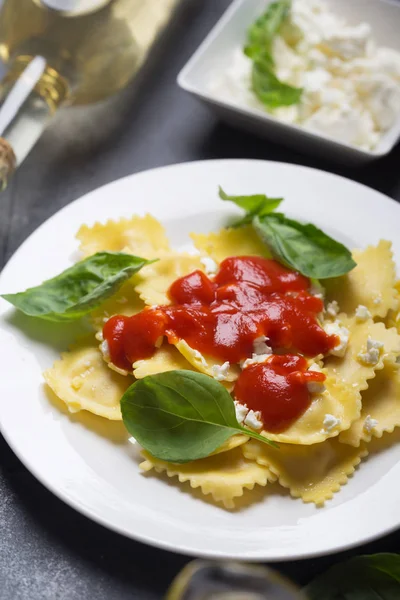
[300, 246]
[267, 87]
[304, 247]
[256, 205]
[261, 33]
[361, 578]
[181, 416]
[80, 289]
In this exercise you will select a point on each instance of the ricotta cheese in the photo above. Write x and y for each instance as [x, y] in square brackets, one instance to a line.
[351, 87]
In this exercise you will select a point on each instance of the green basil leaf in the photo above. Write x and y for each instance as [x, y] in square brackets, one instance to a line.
[269, 89]
[360, 578]
[79, 289]
[179, 416]
[303, 247]
[257, 204]
[261, 34]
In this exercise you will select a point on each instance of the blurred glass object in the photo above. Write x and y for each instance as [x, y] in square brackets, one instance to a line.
[61, 52]
[209, 580]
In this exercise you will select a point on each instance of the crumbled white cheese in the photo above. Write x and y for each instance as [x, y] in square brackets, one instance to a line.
[335, 328]
[332, 309]
[315, 387]
[99, 336]
[372, 355]
[381, 97]
[198, 355]
[348, 42]
[241, 411]
[260, 346]
[370, 424]
[254, 360]
[210, 266]
[331, 422]
[351, 88]
[377, 300]
[220, 372]
[105, 350]
[317, 290]
[374, 344]
[253, 420]
[362, 313]
[315, 367]
[345, 123]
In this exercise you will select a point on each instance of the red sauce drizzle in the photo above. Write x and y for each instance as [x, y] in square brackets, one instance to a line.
[249, 297]
[278, 389]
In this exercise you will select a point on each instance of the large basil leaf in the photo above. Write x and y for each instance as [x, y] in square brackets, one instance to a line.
[267, 87]
[362, 578]
[304, 247]
[257, 204]
[79, 289]
[180, 416]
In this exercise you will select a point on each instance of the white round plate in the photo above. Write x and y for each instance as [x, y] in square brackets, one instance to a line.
[87, 461]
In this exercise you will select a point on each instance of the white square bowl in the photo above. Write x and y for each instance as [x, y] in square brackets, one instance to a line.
[216, 53]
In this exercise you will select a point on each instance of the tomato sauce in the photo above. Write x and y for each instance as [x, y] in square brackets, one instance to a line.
[278, 389]
[248, 298]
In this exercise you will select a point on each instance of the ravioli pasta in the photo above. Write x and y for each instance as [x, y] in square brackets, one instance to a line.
[154, 280]
[82, 381]
[341, 401]
[312, 473]
[318, 451]
[125, 302]
[230, 242]
[380, 409]
[371, 283]
[142, 236]
[225, 476]
[349, 369]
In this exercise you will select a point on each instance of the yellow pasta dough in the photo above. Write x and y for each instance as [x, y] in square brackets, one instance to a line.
[153, 281]
[380, 408]
[371, 283]
[225, 475]
[320, 450]
[312, 473]
[166, 358]
[82, 380]
[350, 369]
[125, 302]
[230, 242]
[339, 400]
[393, 317]
[142, 236]
[233, 442]
[206, 364]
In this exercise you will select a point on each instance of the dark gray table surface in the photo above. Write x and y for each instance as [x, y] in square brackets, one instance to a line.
[47, 550]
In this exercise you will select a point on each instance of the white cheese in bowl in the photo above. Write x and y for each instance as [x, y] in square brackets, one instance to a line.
[351, 88]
